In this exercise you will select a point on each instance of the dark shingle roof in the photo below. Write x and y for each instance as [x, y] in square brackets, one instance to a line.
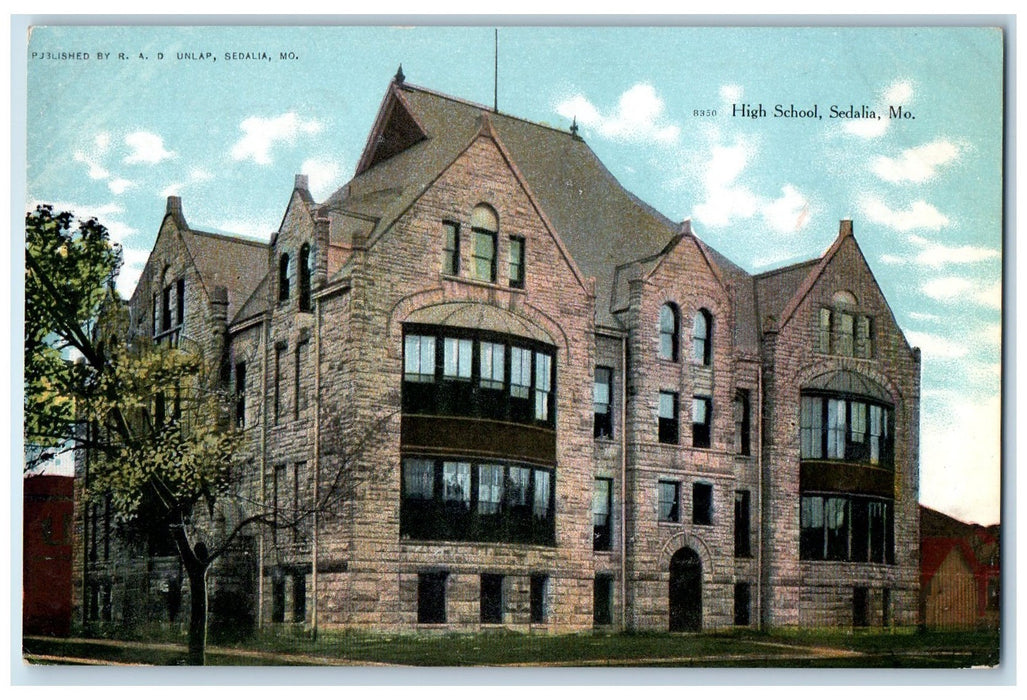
[237, 264]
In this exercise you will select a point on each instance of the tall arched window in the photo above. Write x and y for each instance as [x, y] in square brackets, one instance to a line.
[303, 267]
[283, 277]
[669, 332]
[702, 337]
[484, 229]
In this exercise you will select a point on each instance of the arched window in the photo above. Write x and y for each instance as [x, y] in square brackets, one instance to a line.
[303, 267]
[669, 332]
[702, 336]
[283, 277]
[484, 229]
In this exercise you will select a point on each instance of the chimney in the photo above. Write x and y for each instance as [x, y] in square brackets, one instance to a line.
[302, 183]
[846, 228]
[174, 210]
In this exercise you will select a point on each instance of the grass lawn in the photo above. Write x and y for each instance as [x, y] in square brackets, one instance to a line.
[815, 649]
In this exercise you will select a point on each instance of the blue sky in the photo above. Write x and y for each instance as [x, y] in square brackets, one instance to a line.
[113, 138]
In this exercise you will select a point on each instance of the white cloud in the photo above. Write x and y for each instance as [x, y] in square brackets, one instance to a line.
[261, 135]
[789, 212]
[731, 93]
[260, 229]
[119, 184]
[936, 346]
[95, 170]
[920, 215]
[195, 175]
[146, 148]
[898, 93]
[961, 288]
[724, 199]
[640, 116]
[921, 316]
[889, 259]
[866, 128]
[960, 470]
[990, 296]
[938, 255]
[918, 164]
[323, 175]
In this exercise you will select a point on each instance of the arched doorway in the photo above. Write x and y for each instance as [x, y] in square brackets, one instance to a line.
[685, 591]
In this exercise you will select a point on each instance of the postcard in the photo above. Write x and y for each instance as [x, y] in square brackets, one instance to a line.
[514, 345]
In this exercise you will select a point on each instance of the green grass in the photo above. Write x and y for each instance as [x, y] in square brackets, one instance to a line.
[815, 649]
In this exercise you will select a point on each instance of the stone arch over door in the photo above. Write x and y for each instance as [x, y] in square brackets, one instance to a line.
[685, 591]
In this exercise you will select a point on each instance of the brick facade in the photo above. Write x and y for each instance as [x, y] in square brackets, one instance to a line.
[330, 426]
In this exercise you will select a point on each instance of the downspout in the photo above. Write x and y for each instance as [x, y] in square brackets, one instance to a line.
[317, 463]
[263, 469]
[624, 484]
[759, 473]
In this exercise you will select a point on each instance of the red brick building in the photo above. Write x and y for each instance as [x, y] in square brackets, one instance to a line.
[47, 547]
[582, 414]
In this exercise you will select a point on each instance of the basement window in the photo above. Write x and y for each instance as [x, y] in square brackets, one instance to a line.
[431, 597]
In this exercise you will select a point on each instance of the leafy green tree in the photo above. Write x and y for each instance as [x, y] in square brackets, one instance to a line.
[151, 418]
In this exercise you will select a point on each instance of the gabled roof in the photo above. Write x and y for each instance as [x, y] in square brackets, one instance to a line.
[935, 550]
[237, 264]
[601, 224]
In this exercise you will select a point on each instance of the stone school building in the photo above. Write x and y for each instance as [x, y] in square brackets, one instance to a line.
[531, 401]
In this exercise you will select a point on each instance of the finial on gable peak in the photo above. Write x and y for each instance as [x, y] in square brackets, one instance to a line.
[399, 77]
[574, 126]
[845, 229]
[302, 182]
[686, 227]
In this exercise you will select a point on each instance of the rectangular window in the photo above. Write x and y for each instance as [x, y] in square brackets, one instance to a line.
[431, 597]
[670, 498]
[701, 421]
[298, 470]
[825, 330]
[278, 598]
[240, 394]
[542, 496]
[165, 324]
[668, 417]
[601, 502]
[539, 594]
[743, 422]
[518, 487]
[602, 600]
[156, 315]
[451, 249]
[743, 547]
[277, 484]
[456, 358]
[836, 429]
[493, 365]
[885, 607]
[517, 262]
[490, 489]
[743, 597]
[180, 302]
[860, 606]
[702, 504]
[520, 372]
[279, 351]
[456, 484]
[491, 599]
[811, 533]
[878, 429]
[836, 522]
[810, 427]
[418, 479]
[543, 385]
[602, 426]
[484, 256]
[299, 395]
[299, 597]
[419, 358]
[844, 329]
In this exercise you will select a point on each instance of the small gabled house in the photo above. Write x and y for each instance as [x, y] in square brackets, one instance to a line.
[495, 389]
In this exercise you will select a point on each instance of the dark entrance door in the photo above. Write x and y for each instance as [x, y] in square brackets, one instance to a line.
[685, 591]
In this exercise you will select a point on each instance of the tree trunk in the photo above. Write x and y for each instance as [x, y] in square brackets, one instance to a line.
[197, 613]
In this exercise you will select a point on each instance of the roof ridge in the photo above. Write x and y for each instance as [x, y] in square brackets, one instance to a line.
[787, 268]
[230, 237]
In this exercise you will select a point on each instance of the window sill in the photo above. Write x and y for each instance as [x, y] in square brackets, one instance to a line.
[482, 283]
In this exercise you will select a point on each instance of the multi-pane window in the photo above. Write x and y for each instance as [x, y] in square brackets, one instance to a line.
[601, 391]
[844, 332]
[543, 385]
[493, 366]
[670, 500]
[864, 337]
[669, 332]
[743, 422]
[844, 428]
[419, 358]
[743, 546]
[844, 327]
[520, 372]
[516, 262]
[601, 502]
[475, 501]
[824, 330]
[668, 417]
[456, 358]
[702, 504]
[451, 248]
[846, 528]
[702, 345]
[701, 421]
[484, 228]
